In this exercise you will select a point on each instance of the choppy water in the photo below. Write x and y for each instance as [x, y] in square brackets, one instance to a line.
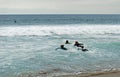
[27, 46]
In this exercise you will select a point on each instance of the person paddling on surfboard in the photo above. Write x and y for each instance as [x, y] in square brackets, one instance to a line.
[78, 44]
[62, 47]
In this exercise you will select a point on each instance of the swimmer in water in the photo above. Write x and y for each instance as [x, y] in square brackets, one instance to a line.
[67, 42]
[62, 47]
[78, 44]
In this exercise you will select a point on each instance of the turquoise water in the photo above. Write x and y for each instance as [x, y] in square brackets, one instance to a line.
[29, 49]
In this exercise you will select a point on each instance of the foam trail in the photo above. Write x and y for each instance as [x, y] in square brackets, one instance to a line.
[50, 30]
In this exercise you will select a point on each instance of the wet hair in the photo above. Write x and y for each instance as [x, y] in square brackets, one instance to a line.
[67, 41]
[76, 41]
[62, 46]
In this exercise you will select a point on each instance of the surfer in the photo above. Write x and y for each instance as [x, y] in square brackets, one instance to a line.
[14, 21]
[67, 42]
[78, 44]
[62, 47]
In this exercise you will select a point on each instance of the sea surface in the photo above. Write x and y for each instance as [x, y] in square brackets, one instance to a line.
[28, 44]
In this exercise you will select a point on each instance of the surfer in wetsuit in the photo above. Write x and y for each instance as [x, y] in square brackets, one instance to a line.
[78, 44]
[62, 47]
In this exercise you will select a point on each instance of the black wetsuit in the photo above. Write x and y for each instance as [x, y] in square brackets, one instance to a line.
[79, 45]
[62, 47]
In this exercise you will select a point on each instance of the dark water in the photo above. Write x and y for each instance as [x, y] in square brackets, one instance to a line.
[59, 19]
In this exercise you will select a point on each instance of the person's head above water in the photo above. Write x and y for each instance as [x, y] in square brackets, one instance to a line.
[76, 42]
[67, 42]
[62, 46]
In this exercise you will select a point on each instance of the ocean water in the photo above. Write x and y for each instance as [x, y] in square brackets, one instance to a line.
[28, 44]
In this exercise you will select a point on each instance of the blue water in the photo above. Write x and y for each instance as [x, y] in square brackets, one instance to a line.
[58, 19]
[28, 43]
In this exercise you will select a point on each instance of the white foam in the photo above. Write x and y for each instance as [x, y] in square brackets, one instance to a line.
[50, 30]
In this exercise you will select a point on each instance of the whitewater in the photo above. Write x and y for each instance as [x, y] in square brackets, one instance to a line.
[59, 30]
[29, 50]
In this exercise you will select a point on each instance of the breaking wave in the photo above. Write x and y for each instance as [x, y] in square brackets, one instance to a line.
[59, 30]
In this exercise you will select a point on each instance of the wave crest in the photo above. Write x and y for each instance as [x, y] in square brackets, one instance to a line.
[58, 30]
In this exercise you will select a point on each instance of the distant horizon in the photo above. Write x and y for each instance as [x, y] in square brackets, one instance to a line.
[59, 14]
